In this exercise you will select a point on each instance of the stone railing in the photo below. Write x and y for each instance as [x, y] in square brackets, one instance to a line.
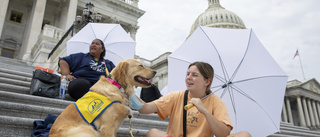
[49, 37]
[127, 1]
[131, 2]
[52, 32]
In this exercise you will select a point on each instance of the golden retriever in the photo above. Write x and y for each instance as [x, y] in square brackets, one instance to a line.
[128, 73]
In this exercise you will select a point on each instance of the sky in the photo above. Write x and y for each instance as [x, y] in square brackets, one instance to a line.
[282, 26]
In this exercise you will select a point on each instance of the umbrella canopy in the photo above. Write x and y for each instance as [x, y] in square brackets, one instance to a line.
[246, 78]
[119, 45]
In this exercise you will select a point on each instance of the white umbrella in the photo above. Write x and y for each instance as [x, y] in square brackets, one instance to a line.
[246, 77]
[164, 90]
[119, 45]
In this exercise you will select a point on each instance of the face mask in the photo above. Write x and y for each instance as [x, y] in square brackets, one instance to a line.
[135, 102]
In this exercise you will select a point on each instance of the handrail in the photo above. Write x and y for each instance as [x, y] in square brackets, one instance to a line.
[63, 37]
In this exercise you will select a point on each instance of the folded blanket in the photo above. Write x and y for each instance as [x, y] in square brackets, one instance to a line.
[42, 128]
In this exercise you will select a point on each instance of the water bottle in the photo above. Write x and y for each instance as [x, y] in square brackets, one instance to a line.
[63, 88]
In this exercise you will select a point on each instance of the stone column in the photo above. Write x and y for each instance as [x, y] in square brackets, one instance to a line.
[3, 12]
[289, 110]
[301, 115]
[284, 112]
[317, 123]
[311, 113]
[34, 28]
[68, 14]
[318, 106]
[134, 3]
[306, 112]
[133, 31]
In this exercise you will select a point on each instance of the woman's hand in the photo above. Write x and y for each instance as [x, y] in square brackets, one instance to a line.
[69, 77]
[65, 70]
[197, 102]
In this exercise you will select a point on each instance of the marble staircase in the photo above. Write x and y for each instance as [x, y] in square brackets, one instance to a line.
[19, 109]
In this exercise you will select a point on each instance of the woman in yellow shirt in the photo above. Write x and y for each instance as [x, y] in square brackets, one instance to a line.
[209, 116]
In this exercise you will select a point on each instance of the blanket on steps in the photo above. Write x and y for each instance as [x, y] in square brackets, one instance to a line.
[41, 128]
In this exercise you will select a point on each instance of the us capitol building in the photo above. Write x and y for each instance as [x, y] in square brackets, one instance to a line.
[30, 29]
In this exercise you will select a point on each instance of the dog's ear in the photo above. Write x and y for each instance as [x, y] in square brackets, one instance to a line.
[120, 73]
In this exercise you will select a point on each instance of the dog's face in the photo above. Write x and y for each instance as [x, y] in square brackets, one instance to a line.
[130, 72]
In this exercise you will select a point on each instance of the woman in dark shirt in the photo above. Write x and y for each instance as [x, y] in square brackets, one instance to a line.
[85, 69]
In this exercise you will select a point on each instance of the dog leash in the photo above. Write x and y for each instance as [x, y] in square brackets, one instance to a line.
[116, 84]
[130, 127]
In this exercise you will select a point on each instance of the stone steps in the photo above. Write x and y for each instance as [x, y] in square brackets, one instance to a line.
[14, 88]
[33, 100]
[14, 64]
[26, 110]
[15, 77]
[19, 109]
[15, 126]
[23, 127]
[40, 112]
[291, 130]
[17, 72]
[15, 81]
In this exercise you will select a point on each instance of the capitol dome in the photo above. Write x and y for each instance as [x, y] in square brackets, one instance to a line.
[218, 17]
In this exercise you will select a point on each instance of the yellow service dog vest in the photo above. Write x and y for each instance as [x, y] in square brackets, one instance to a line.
[91, 105]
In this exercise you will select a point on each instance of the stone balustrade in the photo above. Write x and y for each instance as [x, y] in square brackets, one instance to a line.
[131, 2]
[52, 32]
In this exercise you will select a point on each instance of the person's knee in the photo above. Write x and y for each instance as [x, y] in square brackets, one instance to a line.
[156, 133]
[151, 132]
[78, 87]
[245, 134]
[241, 134]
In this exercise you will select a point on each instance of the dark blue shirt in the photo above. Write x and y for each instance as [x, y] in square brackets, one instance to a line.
[83, 65]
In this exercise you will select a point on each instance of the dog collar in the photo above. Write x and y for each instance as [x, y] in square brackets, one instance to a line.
[114, 83]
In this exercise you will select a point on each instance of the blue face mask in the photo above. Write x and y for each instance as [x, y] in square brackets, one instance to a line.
[135, 102]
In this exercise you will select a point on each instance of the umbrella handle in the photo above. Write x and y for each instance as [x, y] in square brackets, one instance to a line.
[107, 72]
[188, 106]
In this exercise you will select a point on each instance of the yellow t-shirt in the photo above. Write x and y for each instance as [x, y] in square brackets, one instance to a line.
[197, 126]
[91, 105]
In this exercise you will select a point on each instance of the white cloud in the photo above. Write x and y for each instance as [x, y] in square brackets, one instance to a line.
[281, 25]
